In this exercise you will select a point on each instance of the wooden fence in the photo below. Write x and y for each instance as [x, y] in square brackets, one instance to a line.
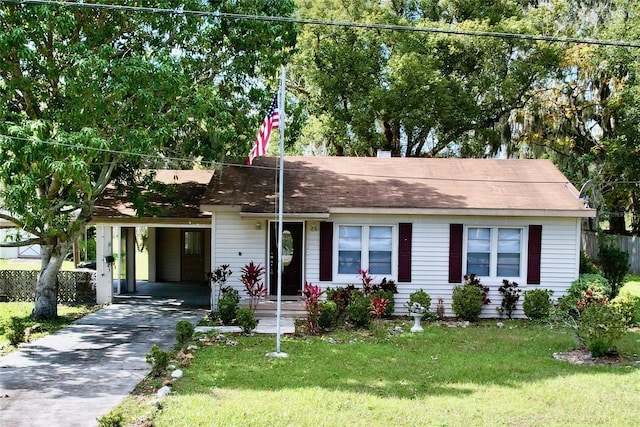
[629, 244]
[73, 286]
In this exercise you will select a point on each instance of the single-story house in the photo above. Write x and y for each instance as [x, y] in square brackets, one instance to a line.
[423, 223]
[8, 231]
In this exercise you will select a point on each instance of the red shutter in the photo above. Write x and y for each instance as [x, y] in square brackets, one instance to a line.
[533, 253]
[326, 251]
[404, 252]
[455, 253]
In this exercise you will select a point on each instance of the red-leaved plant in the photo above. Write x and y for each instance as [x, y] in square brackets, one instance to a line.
[251, 278]
[367, 287]
[378, 306]
[311, 297]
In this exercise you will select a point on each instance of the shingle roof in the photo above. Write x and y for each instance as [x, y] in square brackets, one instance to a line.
[349, 184]
[180, 197]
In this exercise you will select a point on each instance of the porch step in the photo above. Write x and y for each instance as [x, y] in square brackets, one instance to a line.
[267, 307]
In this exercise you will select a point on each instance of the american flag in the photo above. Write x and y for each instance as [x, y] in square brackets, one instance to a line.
[271, 121]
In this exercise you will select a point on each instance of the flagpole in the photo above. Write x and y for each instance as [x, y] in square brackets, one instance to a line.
[280, 215]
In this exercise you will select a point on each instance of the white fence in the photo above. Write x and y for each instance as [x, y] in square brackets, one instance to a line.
[629, 244]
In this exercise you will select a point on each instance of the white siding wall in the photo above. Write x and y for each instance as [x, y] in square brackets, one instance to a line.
[430, 257]
[236, 242]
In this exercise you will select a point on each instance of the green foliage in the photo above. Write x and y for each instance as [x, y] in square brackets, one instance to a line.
[15, 330]
[184, 331]
[587, 266]
[359, 310]
[474, 280]
[421, 297]
[81, 89]
[615, 265]
[629, 307]
[600, 327]
[112, 419]
[158, 359]
[510, 296]
[228, 305]
[246, 320]
[467, 302]
[342, 297]
[328, 315]
[595, 284]
[537, 303]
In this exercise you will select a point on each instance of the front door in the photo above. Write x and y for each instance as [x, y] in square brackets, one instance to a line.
[291, 258]
[192, 255]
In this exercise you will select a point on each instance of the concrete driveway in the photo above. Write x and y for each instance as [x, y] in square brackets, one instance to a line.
[81, 372]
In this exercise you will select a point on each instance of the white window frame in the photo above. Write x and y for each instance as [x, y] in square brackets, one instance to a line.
[493, 250]
[364, 247]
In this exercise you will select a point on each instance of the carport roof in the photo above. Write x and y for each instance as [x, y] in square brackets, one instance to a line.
[173, 194]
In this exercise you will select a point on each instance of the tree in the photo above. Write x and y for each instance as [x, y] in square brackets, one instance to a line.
[420, 94]
[90, 96]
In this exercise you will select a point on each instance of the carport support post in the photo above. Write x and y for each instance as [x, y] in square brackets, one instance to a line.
[104, 271]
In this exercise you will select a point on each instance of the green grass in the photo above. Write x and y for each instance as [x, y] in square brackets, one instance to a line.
[480, 375]
[66, 315]
[29, 264]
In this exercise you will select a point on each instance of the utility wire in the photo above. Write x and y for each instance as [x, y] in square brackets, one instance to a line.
[213, 164]
[319, 22]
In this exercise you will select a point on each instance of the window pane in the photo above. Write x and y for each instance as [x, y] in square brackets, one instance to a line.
[508, 252]
[478, 263]
[349, 249]
[509, 265]
[479, 240]
[192, 243]
[348, 262]
[509, 240]
[379, 262]
[380, 238]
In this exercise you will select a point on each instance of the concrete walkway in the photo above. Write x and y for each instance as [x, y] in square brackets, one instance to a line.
[81, 372]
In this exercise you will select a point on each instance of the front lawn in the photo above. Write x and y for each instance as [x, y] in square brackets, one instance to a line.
[22, 310]
[454, 376]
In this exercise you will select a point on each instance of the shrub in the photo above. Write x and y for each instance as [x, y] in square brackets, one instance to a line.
[586, 264]
[378, 306]
[115, 419]
[614, 264]
[629, 307]
[311, 297]
[159, 360]
[597, 285]
[537, 303]
[246, 320]
[184, 331]
[473, 280]
[510, 296]
[388, 285]
[359, 310]
[391, 302]
[342, 297]
[228, 305]
[251, 278]
[15, 330]
[328, 314]
[600, 327]
[467, 302]
[421, 297]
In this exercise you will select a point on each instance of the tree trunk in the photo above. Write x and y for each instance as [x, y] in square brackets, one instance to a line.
[46, 301]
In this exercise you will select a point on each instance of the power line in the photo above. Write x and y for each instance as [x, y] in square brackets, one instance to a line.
[319, 22]
[213, 164]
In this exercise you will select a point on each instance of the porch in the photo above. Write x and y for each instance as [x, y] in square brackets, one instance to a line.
[197, 295]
